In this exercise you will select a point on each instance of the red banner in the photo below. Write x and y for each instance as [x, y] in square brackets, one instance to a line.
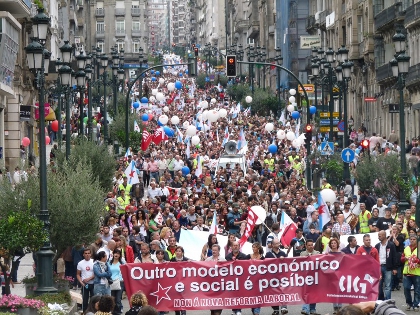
[246, 284]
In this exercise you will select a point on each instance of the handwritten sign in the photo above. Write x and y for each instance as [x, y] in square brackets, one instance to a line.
[309, 42]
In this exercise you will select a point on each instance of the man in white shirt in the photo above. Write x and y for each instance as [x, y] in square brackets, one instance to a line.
[355, 206]
[154, 192]
[85, 276]
[178, 164]
[381, 207]
[162, 187]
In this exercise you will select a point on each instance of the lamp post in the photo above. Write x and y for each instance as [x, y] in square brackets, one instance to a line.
[104, 65]
[38, 61]
[80, 81]
[58, 64]
[400, 66]
[251, 58]
[279, 60]
[240, 58]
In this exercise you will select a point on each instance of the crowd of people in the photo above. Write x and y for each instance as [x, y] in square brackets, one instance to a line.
[144, 220]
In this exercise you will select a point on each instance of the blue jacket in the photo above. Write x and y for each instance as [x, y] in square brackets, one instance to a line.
[233, 217]
[99, 274]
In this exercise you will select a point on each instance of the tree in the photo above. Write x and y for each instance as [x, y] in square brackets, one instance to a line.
[238, 92]
[97, 158]
[117, 130]
[201, 80]
[381, 174]
[18, 231]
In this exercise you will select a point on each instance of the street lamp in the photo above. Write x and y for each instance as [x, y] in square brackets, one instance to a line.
[400, 66]
[104, 65]
[80, 82]
[279, 60]
[36, 55]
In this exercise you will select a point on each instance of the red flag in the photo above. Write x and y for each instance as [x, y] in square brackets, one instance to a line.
[158, 136]
[287, 229]
[272, 67]
[251, 219]
[146, 139]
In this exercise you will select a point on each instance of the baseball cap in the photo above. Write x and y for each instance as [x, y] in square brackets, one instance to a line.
[354, 197]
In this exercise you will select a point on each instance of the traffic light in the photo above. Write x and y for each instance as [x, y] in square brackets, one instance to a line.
[196, 51]
[365, 144]
[192, 67]
[308, 134]
[231, 66]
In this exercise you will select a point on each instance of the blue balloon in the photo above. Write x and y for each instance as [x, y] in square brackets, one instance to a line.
[186, 71]
[152, 71]
[312, 110]
[185, 170]
[153, 79]
[180, 74]
[272, 148]
[295, 114]
[145, 117]
[168, 131]
[160, 124]
[144, 100]
[136, 105]
[157, 73]
[357, 151]
[178, 85]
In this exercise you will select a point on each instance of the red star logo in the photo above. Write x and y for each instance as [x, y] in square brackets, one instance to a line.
[321, 209]
[161, 293]
[131, 174]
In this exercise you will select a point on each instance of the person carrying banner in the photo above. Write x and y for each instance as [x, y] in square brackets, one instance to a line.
[411, 274]
[309, 309]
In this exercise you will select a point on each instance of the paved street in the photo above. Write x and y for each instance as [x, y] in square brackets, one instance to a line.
[324, 308]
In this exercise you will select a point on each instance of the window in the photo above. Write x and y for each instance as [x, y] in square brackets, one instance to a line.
[360, 27]
[136, 26]
[101, 46]
[100, 27]
[120, 45]
[99, 4]
[136, 47]
[119, 4]
[120, 25]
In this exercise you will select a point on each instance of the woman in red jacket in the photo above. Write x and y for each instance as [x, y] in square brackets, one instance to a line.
[127, 250]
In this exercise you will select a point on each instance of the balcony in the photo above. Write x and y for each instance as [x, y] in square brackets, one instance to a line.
[311, 23]
[135, 11]
[119, 12]
[241, 25]
[18, 8]
[136, 33]
[120, 33]
[100, 34]
[413, 76]
[386, 17]
[99, 12]
[323, 17]
[254, 28]
[384, 73]
[81, 22]
[412, 16]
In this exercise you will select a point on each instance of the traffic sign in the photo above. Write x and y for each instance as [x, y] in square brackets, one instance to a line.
[327, 114]
[326, 122]
[327, 129]
[347, 155]
[340, 126]
[308, 88]
[327, 148]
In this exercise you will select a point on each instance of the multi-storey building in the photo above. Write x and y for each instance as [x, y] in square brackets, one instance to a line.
[180, 27]
[158, 24]
[119, 23]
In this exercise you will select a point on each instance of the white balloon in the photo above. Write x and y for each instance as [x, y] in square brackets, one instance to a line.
[175, 120]
[150, 106]
[260, 212]
[204, 104]
[165, 71]
[161, 80]
[292, 99]
[290, 135]
[163, 119]
[296, 143]
[152, 98]
[222, 112]
[269, 127]
[160, 97]
[328, 195]
[213, 115]
[166, 109]
[191, 130]
[171, 86]
[185, 124]
[204, 115]
[248, 99]
[154, 91]
[292, 92]
[281, 134]
[195, 140]
[290, 108]
[213, 100]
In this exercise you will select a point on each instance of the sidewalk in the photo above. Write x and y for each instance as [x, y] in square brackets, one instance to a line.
[25, 269]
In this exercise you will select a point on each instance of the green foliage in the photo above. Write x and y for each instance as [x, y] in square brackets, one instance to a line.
[263, 102]
[379, 173]
[96, 158]
[39, 4]
[201, 80]
[238, 92]
[222, 79]
[334, 169]
[117, 130]
[59, 298]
